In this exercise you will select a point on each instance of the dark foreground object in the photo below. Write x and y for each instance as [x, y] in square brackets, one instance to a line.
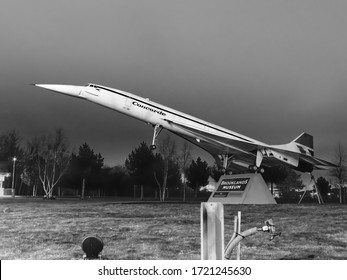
[92, 247]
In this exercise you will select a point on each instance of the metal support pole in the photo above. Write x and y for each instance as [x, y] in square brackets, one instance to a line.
[83, 187]
[302, 197]
[212, 231]
[319, 196]
[13, 178]
[238, 256]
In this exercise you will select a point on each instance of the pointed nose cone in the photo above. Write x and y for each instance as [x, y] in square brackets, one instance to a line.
[64, 89]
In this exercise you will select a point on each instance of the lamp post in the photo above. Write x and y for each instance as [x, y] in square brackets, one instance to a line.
[14, 166]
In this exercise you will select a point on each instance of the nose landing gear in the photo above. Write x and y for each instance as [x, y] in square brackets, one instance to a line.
[157, 129]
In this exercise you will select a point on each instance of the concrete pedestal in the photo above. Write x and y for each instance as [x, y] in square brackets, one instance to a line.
[242, 189]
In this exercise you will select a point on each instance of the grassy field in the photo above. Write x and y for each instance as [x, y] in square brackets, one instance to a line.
[54, 229]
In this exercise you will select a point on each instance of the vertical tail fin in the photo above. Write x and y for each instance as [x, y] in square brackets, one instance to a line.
[305, 140]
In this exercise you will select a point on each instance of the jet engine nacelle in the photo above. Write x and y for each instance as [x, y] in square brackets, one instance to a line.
[286, 158]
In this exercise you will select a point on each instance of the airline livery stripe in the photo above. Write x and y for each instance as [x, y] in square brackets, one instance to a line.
[148, 104]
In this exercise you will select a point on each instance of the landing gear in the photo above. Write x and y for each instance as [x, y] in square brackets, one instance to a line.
[157, 129]
[226, 171]
[319, 196]
[226, 159]
[255, 169]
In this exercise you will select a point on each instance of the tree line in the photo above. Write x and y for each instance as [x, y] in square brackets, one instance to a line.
[45, 165]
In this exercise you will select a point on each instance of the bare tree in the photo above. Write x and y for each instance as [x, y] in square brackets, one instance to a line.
[184, 159]
[168, 151]
[51, 157]
[340, 172]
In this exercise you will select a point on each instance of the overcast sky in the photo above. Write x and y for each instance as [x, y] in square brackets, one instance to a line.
[267, 69]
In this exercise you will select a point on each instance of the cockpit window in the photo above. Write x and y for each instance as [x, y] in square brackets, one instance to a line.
[89, 85]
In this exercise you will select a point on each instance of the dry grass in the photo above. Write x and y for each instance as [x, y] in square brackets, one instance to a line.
[41, 229]
[308, 231]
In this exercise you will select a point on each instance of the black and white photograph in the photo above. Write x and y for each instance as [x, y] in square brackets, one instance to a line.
[173, 130]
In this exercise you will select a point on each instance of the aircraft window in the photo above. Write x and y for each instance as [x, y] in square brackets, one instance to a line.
[91, 85]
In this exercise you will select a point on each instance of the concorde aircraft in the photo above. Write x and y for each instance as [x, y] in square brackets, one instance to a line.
[232, 151]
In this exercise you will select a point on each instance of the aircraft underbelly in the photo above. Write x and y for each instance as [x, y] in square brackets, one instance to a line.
[283, 157]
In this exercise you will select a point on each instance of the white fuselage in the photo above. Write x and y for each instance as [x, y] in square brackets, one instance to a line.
[222, 143]
[154, 113]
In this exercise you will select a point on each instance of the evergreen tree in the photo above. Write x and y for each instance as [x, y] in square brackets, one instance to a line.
[290, 186]
[323, 187]
[85, 169]
[116, 181]
[197, 175]
[140, 165]
[274, 175]
[90, 165]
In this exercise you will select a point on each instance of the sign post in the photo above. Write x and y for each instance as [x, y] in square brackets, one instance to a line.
[242, 189]
[2, 179]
